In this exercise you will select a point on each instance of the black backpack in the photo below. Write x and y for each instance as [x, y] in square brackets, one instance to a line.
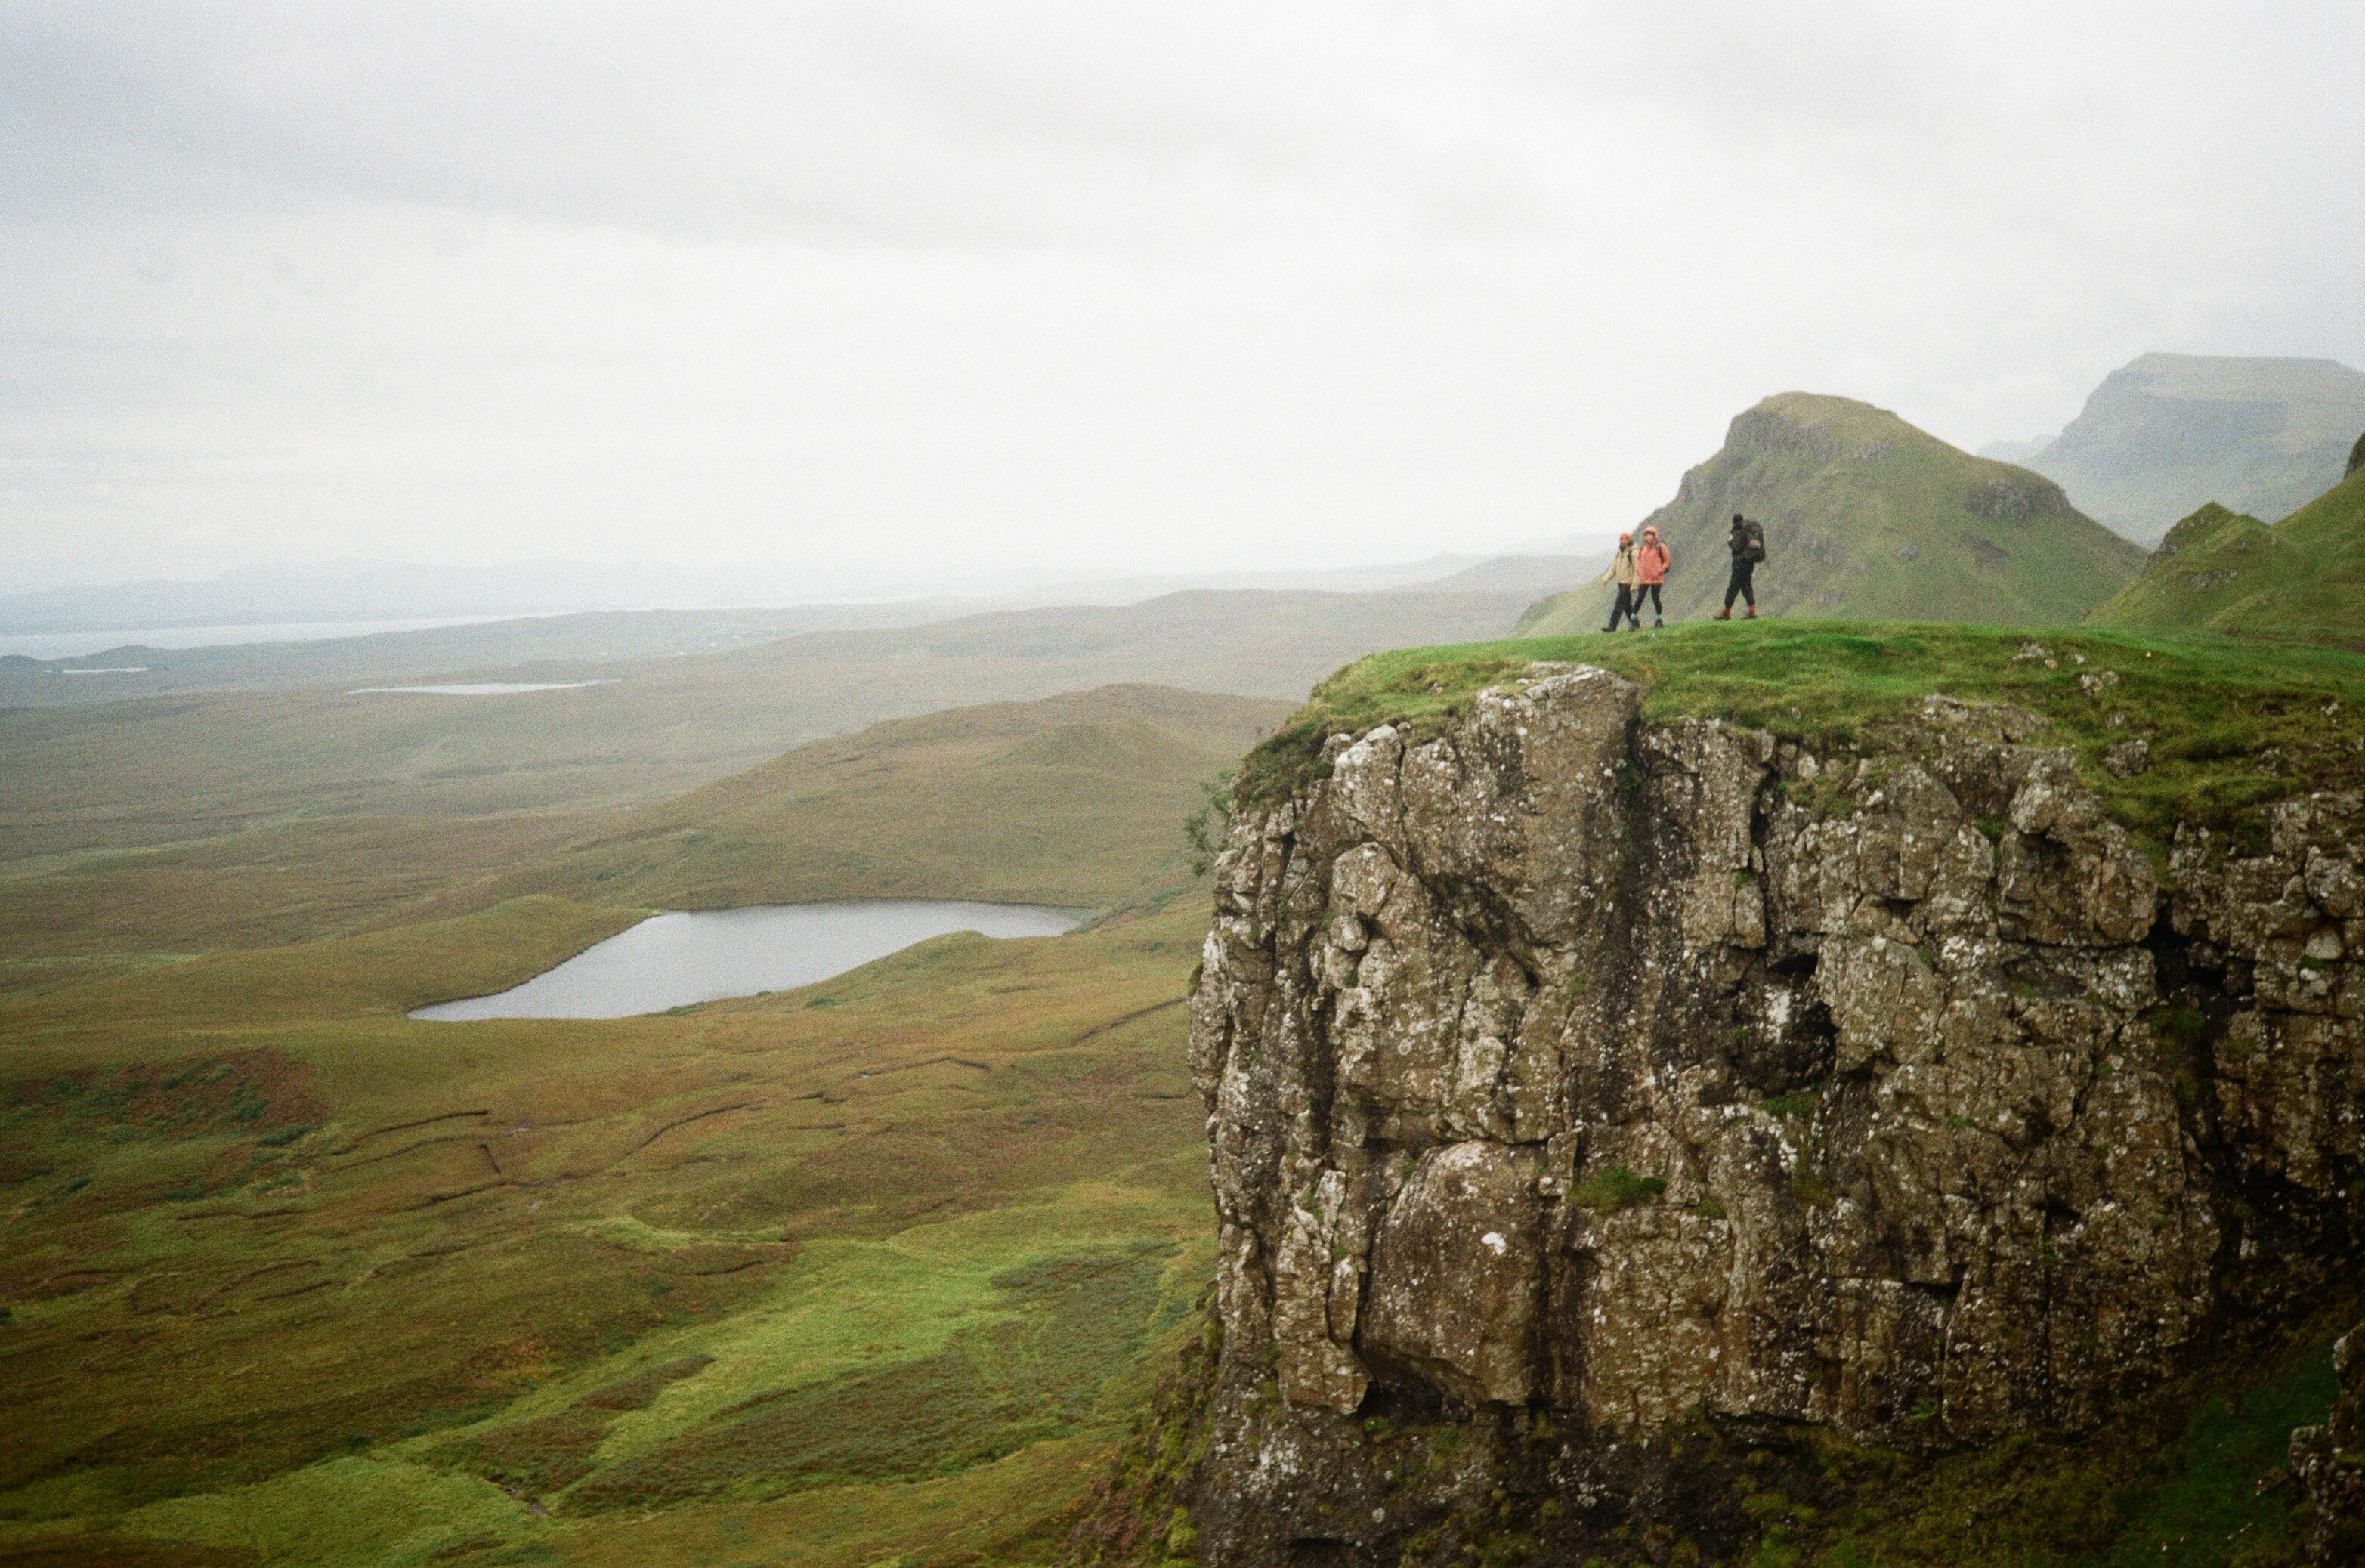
[1754, 534]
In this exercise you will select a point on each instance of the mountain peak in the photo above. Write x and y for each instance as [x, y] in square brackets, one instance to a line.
[2168, 431]
[1796, 422]
[1867, 516]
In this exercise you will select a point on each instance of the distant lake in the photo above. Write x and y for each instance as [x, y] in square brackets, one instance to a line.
[669, 960]
[82, 645]
[480, 688]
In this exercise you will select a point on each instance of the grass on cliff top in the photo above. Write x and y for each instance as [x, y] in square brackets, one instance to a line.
[2231, 726]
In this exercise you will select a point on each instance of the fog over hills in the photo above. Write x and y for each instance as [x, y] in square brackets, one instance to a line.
[1866, 516]
[234, 738]
[365, 592]
[2167, 432]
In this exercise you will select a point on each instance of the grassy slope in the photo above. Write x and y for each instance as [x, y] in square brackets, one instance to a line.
[2233, 574]
[285, 1266]
[180, 767]
[1869, 517]
[1072, 801]
[2230, 724]
[817, 1277]
[286, 882]
[1068, 800]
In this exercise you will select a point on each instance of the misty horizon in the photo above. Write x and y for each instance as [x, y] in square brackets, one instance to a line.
[926, 293]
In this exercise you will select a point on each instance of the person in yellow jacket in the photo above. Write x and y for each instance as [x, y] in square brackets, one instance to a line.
[1625, 573]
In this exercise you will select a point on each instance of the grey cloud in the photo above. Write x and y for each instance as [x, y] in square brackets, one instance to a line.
[995, 283]
[914, 124]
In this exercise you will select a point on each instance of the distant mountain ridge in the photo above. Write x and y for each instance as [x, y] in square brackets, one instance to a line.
[2167, 432]
[377, 591]
[1866, 516]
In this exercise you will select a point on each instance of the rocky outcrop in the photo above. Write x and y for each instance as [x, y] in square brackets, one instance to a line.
[2329, 1462]
[1570, 1074]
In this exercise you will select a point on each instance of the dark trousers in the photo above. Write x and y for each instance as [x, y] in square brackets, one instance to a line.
[1624, 609]
[1651, 592]
[1743, 571]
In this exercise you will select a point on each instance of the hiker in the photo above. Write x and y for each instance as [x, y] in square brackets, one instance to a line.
[1747, 543]
[1651, 564]
[1622, 571]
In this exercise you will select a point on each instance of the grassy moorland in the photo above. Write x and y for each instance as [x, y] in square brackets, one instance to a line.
[177, 765]
[2229, 725]
[825, 1276]
[1070, 800]
[293, 1274]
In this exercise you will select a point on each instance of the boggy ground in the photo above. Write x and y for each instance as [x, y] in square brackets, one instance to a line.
[861, 1270]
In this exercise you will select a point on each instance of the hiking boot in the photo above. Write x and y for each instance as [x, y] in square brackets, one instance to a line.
[1611, 627]
[1752, 613]
[1725, 614]
[1657, 621]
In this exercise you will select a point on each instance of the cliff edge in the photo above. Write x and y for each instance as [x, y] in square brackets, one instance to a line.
[1574, 1075]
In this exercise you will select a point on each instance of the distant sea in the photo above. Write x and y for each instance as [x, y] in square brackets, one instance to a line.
[78, 644]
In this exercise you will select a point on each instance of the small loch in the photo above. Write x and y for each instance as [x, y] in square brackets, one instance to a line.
[671, 961]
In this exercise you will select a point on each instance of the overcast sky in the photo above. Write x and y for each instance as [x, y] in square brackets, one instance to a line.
[899, 293]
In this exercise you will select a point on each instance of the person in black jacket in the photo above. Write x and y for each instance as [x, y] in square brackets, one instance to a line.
[1747, 543]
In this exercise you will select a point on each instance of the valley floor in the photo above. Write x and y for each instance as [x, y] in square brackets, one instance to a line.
[874, 1268]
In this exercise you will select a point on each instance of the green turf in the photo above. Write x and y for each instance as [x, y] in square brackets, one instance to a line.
[2219, 571]
[2231, 725]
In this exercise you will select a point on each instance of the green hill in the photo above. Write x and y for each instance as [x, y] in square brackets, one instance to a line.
[2225, 572]
[1868, 517]
[2170, 432]
[1074, 799]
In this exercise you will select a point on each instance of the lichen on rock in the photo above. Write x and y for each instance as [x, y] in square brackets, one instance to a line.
[1570, 1073]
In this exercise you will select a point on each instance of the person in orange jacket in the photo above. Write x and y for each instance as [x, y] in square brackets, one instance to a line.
[1651, 564]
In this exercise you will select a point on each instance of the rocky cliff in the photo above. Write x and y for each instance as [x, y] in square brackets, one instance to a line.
[1572, 1076]
[2329, 1460]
